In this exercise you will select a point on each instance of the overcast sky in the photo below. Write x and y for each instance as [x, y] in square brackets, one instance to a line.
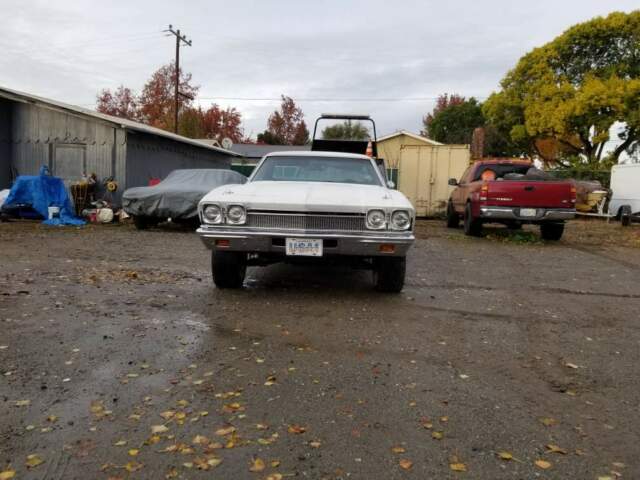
[321, 53]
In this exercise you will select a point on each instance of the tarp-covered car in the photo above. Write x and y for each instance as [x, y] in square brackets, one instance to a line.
[175, 197]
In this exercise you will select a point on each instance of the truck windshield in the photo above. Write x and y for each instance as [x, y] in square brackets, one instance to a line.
[317, 169]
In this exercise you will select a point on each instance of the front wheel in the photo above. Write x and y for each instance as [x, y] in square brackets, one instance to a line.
[552, 231]
[228, 268]
[625, 215]
[452, 217]
[472, 226]
[389, 273]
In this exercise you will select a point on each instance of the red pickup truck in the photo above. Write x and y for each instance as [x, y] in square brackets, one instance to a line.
[511, 192]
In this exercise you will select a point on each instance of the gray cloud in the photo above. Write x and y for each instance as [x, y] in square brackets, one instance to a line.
[329, 49]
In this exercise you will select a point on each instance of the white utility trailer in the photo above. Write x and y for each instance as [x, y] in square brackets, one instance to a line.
[625, 199]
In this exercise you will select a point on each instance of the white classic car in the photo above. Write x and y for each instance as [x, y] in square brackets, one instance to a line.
[304, 205]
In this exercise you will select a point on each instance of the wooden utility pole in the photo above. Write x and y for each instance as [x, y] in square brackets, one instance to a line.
[179, 40]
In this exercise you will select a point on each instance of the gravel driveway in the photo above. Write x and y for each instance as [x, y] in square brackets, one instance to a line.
[500, 359]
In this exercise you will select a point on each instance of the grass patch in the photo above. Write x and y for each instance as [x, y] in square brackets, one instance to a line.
[515, 236]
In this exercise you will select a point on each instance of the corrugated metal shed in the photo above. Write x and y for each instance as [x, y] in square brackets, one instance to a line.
[73, 141]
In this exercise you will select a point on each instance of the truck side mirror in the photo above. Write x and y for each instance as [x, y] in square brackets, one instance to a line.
[453, 182]
[391, 184]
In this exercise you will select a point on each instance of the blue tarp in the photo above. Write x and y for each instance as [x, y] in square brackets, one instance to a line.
[41, 192]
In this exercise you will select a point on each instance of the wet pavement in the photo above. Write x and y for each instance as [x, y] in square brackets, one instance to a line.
[119, 359]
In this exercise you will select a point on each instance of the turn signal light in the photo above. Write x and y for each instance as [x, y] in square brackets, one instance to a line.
[484, 191]
[387, 248]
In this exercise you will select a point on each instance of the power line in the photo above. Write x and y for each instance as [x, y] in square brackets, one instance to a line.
[335, 100]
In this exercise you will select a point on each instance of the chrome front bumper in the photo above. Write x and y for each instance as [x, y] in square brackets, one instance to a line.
[253, 241]
[513, 213]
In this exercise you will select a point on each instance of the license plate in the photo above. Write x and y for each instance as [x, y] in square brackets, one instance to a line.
[304, 247]
[528, 212]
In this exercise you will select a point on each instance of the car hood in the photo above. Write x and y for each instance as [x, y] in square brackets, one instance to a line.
[308, 196]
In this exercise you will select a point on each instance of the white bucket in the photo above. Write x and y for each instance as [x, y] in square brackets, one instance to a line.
[54, 212]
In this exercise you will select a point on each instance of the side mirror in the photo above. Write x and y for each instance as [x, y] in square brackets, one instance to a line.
[391, 184]
[453, 182]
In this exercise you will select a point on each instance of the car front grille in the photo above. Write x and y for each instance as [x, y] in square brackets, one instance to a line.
[305, 221]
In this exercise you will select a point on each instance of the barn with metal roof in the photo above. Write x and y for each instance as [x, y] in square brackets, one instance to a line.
[74, 141]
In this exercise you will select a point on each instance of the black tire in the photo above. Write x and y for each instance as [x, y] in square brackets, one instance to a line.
[389, 273]
[228, 268]
[453, 219]
[472, 226]
[552, 231]
[625, 215]
[141, 222]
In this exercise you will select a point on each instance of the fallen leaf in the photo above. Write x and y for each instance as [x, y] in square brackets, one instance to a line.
[605, 477]
[437, 435]
[261, 426]
[52, 418]
[23, 403]
[7, 474]
[198, 382]
[183, 403]
[275, 463]
[296, 429]
[458, 467]
[214, 462]
[153, 439]
[133, 466]
[133, 452]
[405, 464]
[120, 443]
[271, 380]
[168, 414]
[505, 455]
[549, 422]
[556, 449]
[274, 476]
[444, 419]
[33, 461]
[543, 464]
[571, 365]
[315, 444]
[200, 440]
[159, 429]
[28, 428]
[225, 431]
[257, 465]
[398, 449]
[172, 473]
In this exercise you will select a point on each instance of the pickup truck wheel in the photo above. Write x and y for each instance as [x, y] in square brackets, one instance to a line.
[472, 226]
[552, 231]
[453, 220]
[389, 273]
[625, 215]
[228, 269]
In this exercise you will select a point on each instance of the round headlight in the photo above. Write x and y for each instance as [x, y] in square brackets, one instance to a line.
[400, 220]
[376, 219]
[236, 214]
[212, 214]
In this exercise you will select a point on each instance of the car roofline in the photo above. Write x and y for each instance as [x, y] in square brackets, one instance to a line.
[312, 153]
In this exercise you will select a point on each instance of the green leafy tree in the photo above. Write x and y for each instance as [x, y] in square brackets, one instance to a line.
[562, 99]
[453, 119]
[347, 130]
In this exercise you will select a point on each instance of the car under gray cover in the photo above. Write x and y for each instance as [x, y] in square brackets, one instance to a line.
[177, 196]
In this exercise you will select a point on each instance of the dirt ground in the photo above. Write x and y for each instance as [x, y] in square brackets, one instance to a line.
[504, 358]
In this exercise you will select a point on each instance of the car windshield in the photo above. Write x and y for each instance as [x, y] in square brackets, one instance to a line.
[317, 169]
